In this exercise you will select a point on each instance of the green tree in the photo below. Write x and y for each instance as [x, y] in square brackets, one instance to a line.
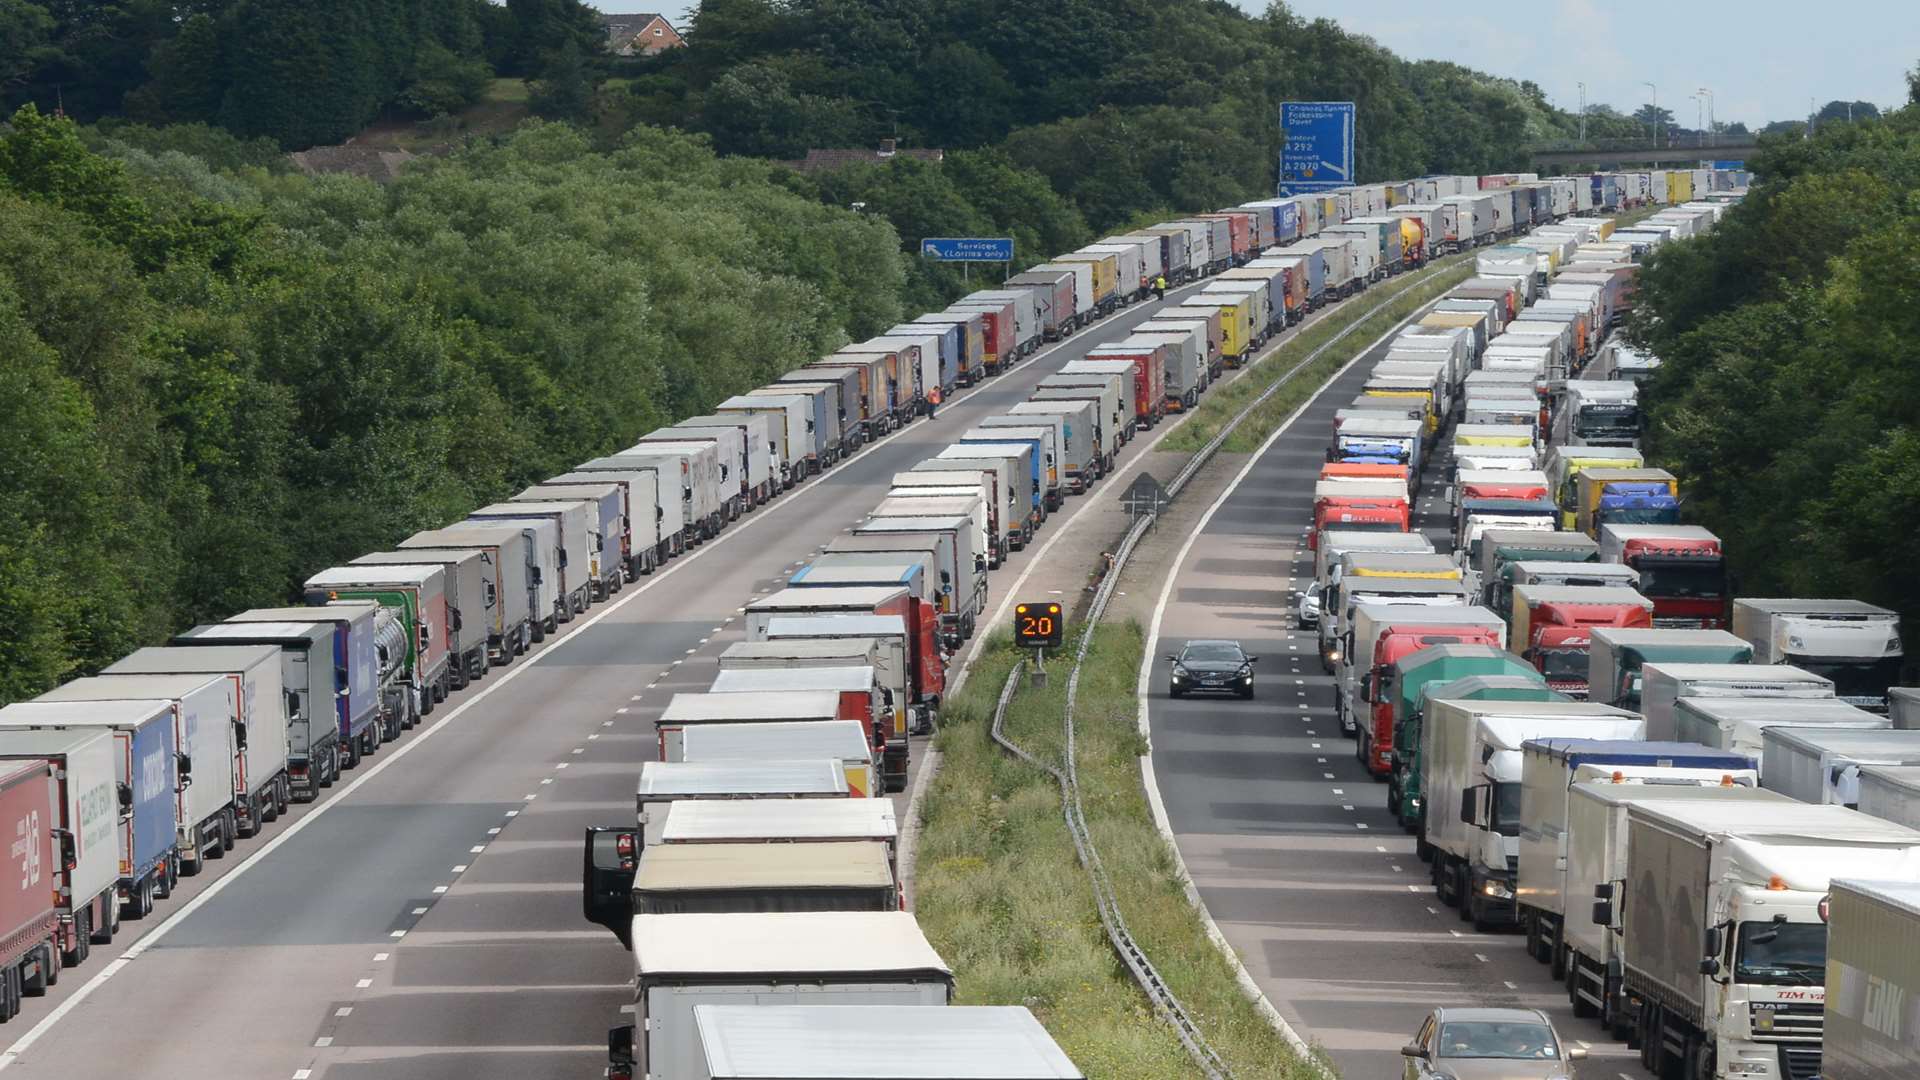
[566, 87]
[26, 33]
[544, 28]
[444, 82]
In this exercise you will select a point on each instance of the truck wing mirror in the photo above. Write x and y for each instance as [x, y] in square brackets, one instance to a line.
[620, 1050]
[1603, 913]
[1713, 943]
[1366, 687]
[69, 854]
[1467, 800]
[125, 792]
[611, 855]
[1709, 965]
[239, 735]
[184, 765]
[454, 620]
[1603, 891]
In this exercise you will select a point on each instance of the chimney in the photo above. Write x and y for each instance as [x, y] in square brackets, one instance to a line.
[887, 147]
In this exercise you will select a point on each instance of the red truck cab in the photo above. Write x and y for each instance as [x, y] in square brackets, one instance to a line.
[1683, 570]
[1394, 644]
[1563, 638]
[1360, 514]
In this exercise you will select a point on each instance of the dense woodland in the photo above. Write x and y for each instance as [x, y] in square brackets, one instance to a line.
[1789, 401]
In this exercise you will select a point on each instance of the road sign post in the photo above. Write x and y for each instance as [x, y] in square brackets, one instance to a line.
[1039, 625]
[1316, 149]
[1144, 496]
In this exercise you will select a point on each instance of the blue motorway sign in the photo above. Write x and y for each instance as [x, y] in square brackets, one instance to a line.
[968, 248]
[1317, 151]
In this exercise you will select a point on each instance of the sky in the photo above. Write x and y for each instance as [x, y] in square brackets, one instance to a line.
[1762, 59]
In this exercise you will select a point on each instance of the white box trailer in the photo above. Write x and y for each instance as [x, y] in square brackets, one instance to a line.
[844, 741]
[1596, 864]
[472, 600]
[976, 1042]
[1891, 793]
[1721, 921]
[1740, 724]
[261, 787]
[1873, 980]
[1661, 685]
[1549, 770]
[792, 424]
[1822, 764]
[508, 561]
[1470, 757]
[663, 783]
[829, 957]
[565, 534]
[783, 821]
[642, 520]
[848, 875]
[1854, 643]
[204, 711]
[85, 777]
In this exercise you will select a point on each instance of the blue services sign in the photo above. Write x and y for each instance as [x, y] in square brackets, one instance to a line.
[1317, 153]
[967, 248]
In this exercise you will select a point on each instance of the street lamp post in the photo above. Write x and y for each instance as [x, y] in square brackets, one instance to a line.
[1713, 127]
[1700, 115]
[1583, 113]
[1653, 103]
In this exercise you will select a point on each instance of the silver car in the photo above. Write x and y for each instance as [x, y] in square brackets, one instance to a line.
[1488, 1044]
[1307, 614]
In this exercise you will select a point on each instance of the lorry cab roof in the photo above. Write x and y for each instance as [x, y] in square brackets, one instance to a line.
[784, 944]
[720, 821]
[665, 780]
[898, 1042]
[846, 864]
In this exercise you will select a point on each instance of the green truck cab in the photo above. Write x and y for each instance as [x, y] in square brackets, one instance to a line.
[1471, 672]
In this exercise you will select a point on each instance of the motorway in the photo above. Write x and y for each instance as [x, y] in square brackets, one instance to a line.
[1286, 837]
[423, 920]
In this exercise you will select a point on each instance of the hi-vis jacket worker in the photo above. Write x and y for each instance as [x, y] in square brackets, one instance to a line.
[1160, 287]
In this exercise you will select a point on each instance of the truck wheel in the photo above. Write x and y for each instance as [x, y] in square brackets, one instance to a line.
[1649, 1028]
[1559, 961]
[82, 938]
[140, 904]
[104, 936]
[282, 795]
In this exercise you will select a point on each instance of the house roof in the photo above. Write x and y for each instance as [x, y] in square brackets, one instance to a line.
[623, 29]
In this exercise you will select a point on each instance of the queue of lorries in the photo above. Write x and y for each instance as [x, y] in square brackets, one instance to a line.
[1681, 798]
[119, 783]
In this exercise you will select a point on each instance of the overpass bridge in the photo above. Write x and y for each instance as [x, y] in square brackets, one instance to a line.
[1623, 153]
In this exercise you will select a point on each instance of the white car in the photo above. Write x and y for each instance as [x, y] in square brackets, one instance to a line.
[1307, 613]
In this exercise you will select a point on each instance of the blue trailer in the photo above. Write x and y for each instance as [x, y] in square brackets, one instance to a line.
[147, 757]
[356, 694]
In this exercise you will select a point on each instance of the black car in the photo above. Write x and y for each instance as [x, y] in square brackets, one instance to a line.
[1212, 667]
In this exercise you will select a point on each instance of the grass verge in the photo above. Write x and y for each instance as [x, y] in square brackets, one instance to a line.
[1213, 414]
[1003, 898]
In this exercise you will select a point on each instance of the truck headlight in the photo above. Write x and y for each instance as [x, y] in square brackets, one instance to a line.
[1497, 889]
[1749, 1068]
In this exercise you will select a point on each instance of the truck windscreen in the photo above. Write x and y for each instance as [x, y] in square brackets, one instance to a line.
[1506, 811]
[1603, 421]
[1854, 678]
[1679, 579]
[1782, 954]
[1564, 665]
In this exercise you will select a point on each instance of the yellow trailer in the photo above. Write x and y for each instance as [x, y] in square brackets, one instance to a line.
[1106, 272]
[1237, 327]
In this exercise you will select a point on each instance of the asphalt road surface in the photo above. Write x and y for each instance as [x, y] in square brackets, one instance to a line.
[423, 920]
[1286, 836]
